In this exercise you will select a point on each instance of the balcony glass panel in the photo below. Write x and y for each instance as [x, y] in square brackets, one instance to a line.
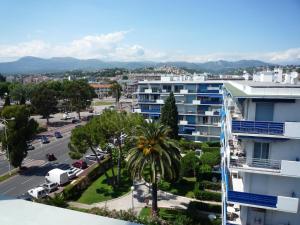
[257, 127]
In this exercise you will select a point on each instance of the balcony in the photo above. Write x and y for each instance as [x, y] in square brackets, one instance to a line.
[137, 110]
[146, 100]
[150, 110]
[148, 91]
[280, 167]
[183, 122]
[184, 91]
[279, 203]
[257, 127]
[196, 102]
[160, 101]
[252, 199]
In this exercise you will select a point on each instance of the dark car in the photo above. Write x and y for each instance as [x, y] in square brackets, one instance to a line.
[44, 140]
[57, 134]
[51, 157]
[26, 197]
[30, 147]
[75, 121]
[80, 164]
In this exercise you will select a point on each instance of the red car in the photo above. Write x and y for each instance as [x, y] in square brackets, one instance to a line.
[80, 164]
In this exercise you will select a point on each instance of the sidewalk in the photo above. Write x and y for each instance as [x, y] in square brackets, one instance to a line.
[137, 201]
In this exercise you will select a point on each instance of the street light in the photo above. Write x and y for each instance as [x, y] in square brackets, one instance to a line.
[132, 189]
[4, 122]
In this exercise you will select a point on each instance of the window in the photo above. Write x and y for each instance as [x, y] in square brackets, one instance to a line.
[264, 111]
[261, 150]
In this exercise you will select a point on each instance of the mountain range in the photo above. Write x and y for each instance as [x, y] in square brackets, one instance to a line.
[31, 64]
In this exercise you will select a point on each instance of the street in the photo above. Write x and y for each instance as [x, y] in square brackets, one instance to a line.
[38, 166]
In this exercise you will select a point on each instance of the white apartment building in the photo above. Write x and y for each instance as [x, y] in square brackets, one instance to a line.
[260, 141]
[198, 102]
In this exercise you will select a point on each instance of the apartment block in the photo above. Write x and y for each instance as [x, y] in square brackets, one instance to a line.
[260, 151]
[198, 101]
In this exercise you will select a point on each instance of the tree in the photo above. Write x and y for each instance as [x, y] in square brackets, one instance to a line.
[43, 101]
[116, 90]
[157, 153]
[169, 115]
[6, 101]
[18, 92]
[19, 130]
[2, 78]
[4, 88]
[79, 93]
[189, 163]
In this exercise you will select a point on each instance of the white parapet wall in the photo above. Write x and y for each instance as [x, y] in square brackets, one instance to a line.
[137, 110]
[184, 91]
[292, 129]
[160, 101]
[183, 122]
[196, 102]
[148, 90]
[290, 168]
[287, 204]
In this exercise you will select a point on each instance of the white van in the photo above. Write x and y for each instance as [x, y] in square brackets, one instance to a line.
[57, 176]
[38, 192]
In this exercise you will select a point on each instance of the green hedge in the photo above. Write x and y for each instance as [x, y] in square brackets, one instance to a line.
[210, 185]
[73, 190]
[211, 149]
[208, 195]
[195, 206]
[213, 144]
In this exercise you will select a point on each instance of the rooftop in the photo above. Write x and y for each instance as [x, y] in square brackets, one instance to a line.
[252, 89]
[17, 211]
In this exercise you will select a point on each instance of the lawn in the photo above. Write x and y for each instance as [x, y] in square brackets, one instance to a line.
[100, 191]
[173, 216]
[102, 103]
[184, 187]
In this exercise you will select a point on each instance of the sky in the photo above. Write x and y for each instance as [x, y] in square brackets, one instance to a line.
[156, 30]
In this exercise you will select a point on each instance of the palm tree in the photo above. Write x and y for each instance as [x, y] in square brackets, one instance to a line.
[156, 153]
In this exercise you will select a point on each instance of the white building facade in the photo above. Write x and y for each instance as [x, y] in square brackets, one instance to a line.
[260, 141]
[198, 102]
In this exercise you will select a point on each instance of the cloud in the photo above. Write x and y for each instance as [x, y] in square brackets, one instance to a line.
[112, 46]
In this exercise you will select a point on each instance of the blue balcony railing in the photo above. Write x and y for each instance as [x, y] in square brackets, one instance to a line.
[150, 110]
[252, 199]
[257, 127]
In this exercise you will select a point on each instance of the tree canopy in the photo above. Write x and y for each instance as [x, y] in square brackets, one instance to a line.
[169, 115]
[19, 130]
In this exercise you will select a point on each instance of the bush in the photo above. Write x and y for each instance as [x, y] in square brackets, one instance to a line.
[210, 185]
[189, 145]
[213, 144]
[211, 149]
[194, 206]
[208, 195]
[57, 200]
[211, 158]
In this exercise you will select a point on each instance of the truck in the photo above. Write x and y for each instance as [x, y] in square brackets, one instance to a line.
[57, 176]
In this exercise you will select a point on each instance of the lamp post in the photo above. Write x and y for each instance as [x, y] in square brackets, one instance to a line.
[4, 122]
[132, 189]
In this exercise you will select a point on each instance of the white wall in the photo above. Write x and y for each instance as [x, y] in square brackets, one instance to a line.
[276, 217]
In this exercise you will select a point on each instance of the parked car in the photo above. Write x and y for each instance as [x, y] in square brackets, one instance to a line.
[51, 157]
[73, 172]
[26, 196]
[81, 164]
[94, 157]
[75, 121]
[44, 139]
[57, 176]
[57, 134]
[66, 116]
[30, 147]
[38, 192]
[50, 187]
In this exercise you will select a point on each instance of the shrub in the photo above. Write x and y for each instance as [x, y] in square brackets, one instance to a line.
[211, 185]
[182, 220]
[194, 206]
[208, 195]
[211, 149]
[57, 200]
[189, 145]
[213, 144]
[211, 158]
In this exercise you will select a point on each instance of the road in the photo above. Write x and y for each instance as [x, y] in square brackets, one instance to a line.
[38, 166]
